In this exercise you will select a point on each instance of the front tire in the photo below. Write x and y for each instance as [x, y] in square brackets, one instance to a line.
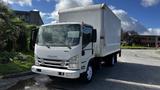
[88, 75]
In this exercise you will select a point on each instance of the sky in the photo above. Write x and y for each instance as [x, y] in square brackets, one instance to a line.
[142, 16]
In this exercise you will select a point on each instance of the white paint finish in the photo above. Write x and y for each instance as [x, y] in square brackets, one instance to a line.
[88, 17]
[102, 19]
[112, 32]
[55, 71]
[57, 53]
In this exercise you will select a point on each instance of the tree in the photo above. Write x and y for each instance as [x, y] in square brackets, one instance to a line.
[128, 37]
[7, 31]
[14, 33]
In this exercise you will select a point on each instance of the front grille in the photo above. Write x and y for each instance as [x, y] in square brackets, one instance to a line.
[53, 63]
[54, 67]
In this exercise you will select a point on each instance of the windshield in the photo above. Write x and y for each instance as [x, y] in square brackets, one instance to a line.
[59, 35]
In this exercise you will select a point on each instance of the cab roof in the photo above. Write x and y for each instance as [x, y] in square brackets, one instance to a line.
[61, 23]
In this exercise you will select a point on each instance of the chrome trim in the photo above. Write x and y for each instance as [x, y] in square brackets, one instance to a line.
[53, 63]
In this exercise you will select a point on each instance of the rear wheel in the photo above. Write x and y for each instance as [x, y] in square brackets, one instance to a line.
[112, 60]
[115, 58]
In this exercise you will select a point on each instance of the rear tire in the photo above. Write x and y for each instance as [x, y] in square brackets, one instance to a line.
[112, 60]
[116, 58]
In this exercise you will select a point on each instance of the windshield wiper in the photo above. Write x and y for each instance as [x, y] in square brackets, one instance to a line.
[69, 46]
[48, 46]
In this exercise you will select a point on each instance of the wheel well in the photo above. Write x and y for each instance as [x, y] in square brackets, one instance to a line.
[95, 63]
[91, 62]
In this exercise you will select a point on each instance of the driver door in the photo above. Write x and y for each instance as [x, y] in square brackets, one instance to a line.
[87, 45]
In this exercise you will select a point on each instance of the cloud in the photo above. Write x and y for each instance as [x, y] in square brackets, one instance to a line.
[19, 2]
[35, 10]
[66, 4]
[43, 0]
[48, 0]
[22, 2]
[128, 23]
[152, 31]
[149, 3]
[45, 15]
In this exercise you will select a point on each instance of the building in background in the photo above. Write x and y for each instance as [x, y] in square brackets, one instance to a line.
[31, 17]
[146, 40]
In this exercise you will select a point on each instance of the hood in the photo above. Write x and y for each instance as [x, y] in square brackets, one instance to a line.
[56, 53]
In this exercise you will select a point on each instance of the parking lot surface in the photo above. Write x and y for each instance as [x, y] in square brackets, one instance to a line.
[135, 70]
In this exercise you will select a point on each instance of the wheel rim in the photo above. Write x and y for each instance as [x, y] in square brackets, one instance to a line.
[113, 60]
[89, 73]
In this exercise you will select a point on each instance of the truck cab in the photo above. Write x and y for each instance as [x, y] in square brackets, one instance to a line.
[65, 50]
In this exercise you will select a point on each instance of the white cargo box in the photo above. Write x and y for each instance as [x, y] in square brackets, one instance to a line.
[102, 19]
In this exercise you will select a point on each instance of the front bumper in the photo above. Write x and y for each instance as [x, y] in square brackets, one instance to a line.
[56, 72]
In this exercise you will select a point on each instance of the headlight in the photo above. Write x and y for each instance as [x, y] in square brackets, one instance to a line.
[74, 62]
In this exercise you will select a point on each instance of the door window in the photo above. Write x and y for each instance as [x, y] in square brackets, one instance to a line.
[87, 36]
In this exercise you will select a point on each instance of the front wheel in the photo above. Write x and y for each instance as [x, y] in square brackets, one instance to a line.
[88, 75]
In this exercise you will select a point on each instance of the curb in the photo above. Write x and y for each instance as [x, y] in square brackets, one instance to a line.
[17, 75]
[142, 48]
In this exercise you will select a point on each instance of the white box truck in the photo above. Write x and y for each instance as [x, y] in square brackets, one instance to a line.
[79, 42]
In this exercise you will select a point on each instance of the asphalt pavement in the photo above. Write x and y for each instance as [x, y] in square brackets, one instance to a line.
[135, 70]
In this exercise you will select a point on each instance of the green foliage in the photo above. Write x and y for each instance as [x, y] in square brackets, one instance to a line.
[18, 62]
[14, 33]
[14, 36]
[8, 31]
[6, 57]
[22, 57]
[9, 68]
[15, 66]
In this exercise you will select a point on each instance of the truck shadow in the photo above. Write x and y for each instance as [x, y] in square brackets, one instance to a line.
[120, 77]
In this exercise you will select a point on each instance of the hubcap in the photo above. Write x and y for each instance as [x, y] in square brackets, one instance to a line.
[89, 73]
[113, 60]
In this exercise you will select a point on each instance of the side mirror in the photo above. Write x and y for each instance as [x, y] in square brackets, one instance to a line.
[33, 38]
[94, 35]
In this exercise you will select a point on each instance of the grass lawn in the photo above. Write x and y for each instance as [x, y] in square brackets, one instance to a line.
[134, 47]
[16, 66]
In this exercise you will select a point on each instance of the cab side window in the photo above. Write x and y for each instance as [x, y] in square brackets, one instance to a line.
[87, 36]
